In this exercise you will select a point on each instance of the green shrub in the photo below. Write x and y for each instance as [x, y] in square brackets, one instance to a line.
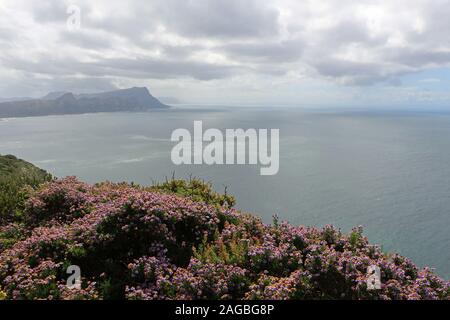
[196, 189]
[16, 177]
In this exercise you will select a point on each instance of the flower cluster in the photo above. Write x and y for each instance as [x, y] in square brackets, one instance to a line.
[158, 279]
[144, 243]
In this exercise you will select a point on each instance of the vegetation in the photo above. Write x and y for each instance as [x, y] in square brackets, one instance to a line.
[182, 240]
[197, 190]
[15, 176]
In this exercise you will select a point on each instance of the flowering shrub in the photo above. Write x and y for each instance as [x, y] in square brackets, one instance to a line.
[197, 190]
[162, 243]
[60, 201]
[158, 279]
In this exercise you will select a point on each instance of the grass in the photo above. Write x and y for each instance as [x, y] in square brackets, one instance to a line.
[15, 176]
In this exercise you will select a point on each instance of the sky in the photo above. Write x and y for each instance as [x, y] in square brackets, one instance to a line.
[385, 53]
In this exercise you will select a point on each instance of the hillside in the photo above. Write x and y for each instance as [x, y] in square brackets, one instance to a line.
[15, 174]
[181, 240]
[57, 103]
[10, 166]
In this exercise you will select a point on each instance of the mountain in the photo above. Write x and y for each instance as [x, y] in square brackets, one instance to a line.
[54, 95]
[132, 99]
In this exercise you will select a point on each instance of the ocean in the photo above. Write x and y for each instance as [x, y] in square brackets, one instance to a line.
[388, 171]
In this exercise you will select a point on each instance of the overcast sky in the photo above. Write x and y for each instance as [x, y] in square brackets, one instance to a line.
[233, 52]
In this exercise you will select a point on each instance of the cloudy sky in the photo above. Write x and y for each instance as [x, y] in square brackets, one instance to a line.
[233, 52]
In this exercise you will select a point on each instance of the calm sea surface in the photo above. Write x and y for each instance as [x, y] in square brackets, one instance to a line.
[386, 171]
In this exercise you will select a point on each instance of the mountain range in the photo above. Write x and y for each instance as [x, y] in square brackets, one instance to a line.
[136, 99]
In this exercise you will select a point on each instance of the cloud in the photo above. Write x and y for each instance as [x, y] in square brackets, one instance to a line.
[212, 45]
[270, 52]
[227, 19]
[139, 67]
[87, 39]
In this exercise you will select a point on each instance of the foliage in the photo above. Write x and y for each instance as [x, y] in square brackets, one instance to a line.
[196, 189]
[15, 176]
[173, 241]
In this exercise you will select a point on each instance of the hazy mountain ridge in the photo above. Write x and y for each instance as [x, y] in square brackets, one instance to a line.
[55, 103]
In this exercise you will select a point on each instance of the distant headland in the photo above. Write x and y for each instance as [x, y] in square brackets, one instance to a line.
[136, 99]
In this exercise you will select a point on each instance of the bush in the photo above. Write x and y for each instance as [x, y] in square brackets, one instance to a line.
[163, 242]
[16, 176]
[197, 190]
